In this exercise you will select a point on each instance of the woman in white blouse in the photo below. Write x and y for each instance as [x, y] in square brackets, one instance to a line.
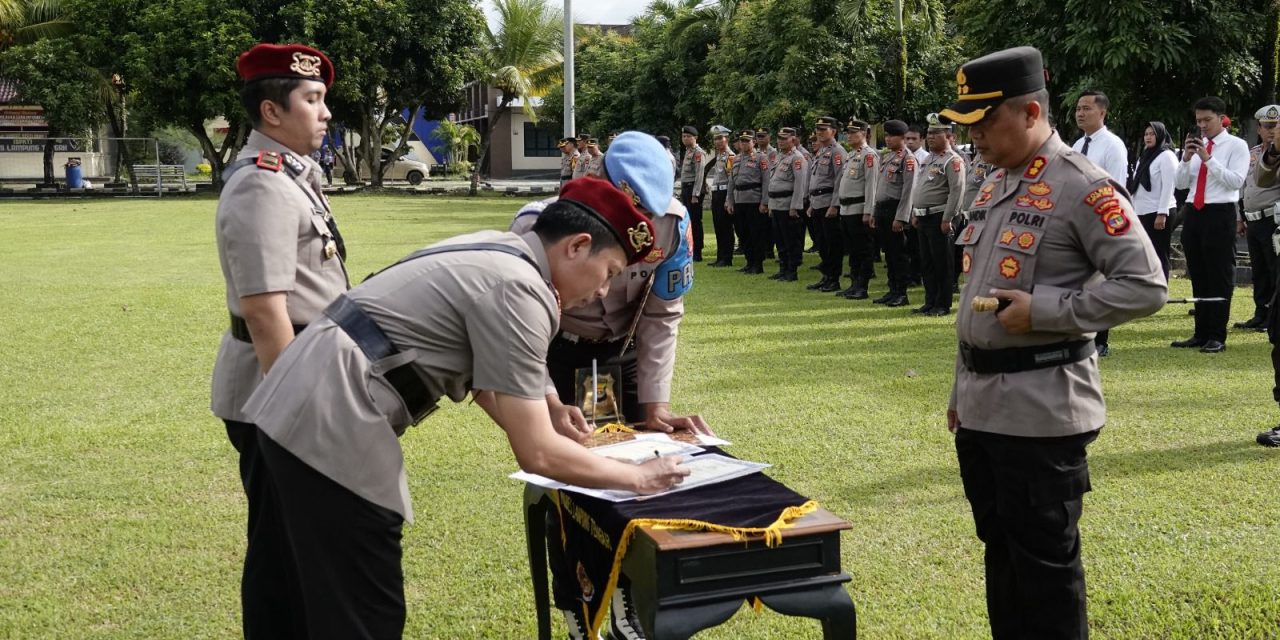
[1152, 188]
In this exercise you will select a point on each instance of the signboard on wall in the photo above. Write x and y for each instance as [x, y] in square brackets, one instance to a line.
[15, 118]
[36, 145]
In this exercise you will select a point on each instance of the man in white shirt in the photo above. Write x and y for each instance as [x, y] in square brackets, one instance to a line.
[1106, 150]
[1214, 169]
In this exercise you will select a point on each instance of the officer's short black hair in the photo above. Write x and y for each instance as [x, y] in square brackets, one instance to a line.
[564, 218]
[276, 90]
[1211, 103]
[1099, 98]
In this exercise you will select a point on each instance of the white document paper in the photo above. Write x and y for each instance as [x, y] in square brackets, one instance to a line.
[706, 469]
[642, 449]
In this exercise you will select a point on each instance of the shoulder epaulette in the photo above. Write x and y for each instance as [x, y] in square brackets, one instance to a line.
[269, 160]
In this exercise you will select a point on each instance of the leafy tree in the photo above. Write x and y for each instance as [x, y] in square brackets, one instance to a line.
[25, 21]
[460, 140]
[919, 13]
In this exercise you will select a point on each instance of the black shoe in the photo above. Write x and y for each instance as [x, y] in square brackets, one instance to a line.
[789, 276]
[1270, 437]
[1104, 350]
[846, 292]
[1213, 346]
[923, 309]
[858, 294]
[815, 286]
[754, 271]
[830, 286]
[938, 312]
[1190, 343]
[719, 263]
[743, 269]
[1251, 323]
[778, 275]
[900, 301]
[885, 298]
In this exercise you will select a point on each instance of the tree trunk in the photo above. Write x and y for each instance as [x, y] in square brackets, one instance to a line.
[481, 166]
[210, 153]
[900, 98]
[1270, 57]
[123, 157]
[371, 145]
[48, 158]
[403, 145]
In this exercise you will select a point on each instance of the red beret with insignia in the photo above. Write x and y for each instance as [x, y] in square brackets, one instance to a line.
[634, 230]
[284, 61]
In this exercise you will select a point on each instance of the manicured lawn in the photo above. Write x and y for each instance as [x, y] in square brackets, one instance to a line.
[121, 514]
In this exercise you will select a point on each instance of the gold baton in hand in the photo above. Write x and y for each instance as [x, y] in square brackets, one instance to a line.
[983, 304]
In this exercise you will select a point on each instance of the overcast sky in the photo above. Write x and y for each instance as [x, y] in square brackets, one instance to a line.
[593, 11]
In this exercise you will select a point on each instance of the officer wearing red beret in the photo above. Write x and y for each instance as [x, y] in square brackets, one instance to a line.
[282, 259]
[473, 314]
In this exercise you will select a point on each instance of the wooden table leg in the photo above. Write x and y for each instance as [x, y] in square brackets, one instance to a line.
[535, 526]
[680, 623]
[831, 604]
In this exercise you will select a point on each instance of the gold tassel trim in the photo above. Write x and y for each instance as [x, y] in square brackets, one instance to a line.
[772, 538]
[756, 604]
[614, 427]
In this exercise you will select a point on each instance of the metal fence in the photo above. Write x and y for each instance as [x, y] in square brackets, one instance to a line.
[106, 166]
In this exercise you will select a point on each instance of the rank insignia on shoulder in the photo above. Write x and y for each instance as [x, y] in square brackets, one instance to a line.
[269, 160]
[1039, 189]
[1098, 194]
[1036, 167]
[1116, 222]
[295, 165]
[871, 161]
[956, 163]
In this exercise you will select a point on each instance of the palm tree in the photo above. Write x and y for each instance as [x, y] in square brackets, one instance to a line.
[714, 15]
[522, 59]
[859, 11]
[459, 139]
[25, 21]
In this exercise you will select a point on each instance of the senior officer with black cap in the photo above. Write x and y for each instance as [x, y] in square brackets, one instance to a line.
[568, 159]
[892, 211]
[787, 190]
[826, 172]
[693, 181]
[633, 327]
[282, 260]
[935, 200]
[1055, 240]
[748, 177]
[473, 314]
[857, 194]
[583, 165]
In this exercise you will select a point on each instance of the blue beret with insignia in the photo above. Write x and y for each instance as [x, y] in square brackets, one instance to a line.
[637, 164]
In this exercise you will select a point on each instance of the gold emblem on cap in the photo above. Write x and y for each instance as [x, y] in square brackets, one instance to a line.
[631, 193]
[962, 82]
[1273, 113]
[305, 65]
[640, 236]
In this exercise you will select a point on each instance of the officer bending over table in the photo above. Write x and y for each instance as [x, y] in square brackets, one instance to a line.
[475, 314]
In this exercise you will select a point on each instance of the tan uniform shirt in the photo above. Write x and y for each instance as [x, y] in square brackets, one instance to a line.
[610, 317]
[826, 171]
[1060, 229]
[1259, 198]
[718, 173]
[747, 178]
[465, 320]
[861, 170]
[897, 177]
[567, 161]
[693, 169]
[789, 182]
[271, 232]
[974, 177]
[940, 186]
[581, 164]
[595, 165]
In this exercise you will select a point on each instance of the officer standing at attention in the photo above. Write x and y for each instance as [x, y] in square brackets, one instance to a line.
[750, 171]
[471, 315]
[282, 259]
[893, 211]
[788, 185]
[763, 144]
[584, 156]
[693, 181]
[935, 201]
[595, 162]
[1260, 225]
[568, 159]
[824, 208]
[856, 194]
[1027, 397]
[722, 159]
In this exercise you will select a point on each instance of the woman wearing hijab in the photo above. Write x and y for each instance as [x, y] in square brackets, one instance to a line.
[1152, 188]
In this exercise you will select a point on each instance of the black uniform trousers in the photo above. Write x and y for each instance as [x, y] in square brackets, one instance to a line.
[1208, 241]
[1160, 238]
[695, 217]
[911, 242]
[722, 222]
[789, 233]
[269, 600]
[1262, 259]
[813, 224]
[755, 231]
[893, 245]
[935, 261]
[1027, 496]
[347, 552]
[1273, 335]
[742, 229]
[831, 251]
[564, 358]
[857, 245]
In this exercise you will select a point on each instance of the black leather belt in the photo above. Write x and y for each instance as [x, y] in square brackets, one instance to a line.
[240, 329]
[781, 194]
[852, 200]
[822, 192]
[1016, 359]
[746, 186]
[567, 176]
[374, 343]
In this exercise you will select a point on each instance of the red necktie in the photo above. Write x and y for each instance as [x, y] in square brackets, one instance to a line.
[1201, 177]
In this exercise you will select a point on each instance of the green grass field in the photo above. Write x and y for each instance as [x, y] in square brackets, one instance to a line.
[121, 514]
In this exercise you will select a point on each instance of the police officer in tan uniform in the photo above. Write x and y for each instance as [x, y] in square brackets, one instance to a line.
[595, 158]
[721, 164]
[583, 164]
[750, 172]
[855, 196]
[282, 260]
[633, 327]
[826, 173]
[764, 144]
[892, 211]
[935, 202]
[471, 315]
[568, 159]
[693, 182]
[1260, 226]
[787, 192]
[1055, 241]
